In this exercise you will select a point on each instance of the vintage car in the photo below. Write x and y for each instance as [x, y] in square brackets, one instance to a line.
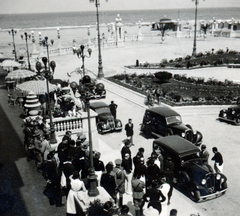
[191, 176]
[232, 114]
[105, 120]
[163, 121]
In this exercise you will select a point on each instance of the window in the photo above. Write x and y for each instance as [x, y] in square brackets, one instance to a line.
[173, 119]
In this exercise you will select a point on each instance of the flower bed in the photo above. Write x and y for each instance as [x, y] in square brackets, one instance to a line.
[181, 90]
[208, 59]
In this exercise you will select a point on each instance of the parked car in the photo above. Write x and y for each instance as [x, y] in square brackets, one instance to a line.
[163, 121]
[232, 114]
[105, 120]
[191, 176]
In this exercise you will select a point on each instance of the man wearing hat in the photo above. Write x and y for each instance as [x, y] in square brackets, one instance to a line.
[113, 109]
[120, 180]
[37, 149]
[204, 154]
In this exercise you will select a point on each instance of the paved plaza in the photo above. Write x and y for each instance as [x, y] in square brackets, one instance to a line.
[25, 186]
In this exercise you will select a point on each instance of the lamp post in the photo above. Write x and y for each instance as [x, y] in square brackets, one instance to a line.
[13, 32]
[80, 54]
[100, 67]
[86, 95]
[48, 75]
[194, 53]
[25, 37]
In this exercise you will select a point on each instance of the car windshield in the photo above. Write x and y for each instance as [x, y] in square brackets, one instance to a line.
[191, 158]
[102, 110]
[173, 119]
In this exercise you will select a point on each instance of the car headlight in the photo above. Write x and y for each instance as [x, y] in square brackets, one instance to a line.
[204, 181]
[183, 134]
[104, 126]
[233, 112]
[119, 124]
[218, 177]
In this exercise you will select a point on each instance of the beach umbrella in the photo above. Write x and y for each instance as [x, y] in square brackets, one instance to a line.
[20, 74]
[10, 63]
[37, 86]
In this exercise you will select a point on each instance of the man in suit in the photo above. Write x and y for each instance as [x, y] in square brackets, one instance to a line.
[129, 130]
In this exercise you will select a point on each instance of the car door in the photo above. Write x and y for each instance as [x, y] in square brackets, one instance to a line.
[161, 125]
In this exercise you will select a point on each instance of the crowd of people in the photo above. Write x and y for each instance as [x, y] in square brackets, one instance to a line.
[66, 170]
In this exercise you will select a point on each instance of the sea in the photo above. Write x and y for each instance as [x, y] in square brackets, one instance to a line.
[131, 17]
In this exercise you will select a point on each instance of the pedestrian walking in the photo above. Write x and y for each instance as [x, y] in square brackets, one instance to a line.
[204, 154]
[138, 195]
[127, 166]
[113, 109]
[165, 189]
[120, 181]
[126, 148]
[108, 181]
[129, 130]
[52, 176]
[218, 160]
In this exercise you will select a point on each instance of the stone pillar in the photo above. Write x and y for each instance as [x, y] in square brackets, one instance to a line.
[118, 26]
[232, 33]
[213, 26]
[34, 53]
[140, 35]
[41, 54]
[178, 34]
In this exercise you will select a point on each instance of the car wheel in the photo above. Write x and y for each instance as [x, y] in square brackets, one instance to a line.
[221, 113]
[194, 194]
[237, 119]
[99, 129]
[169, 132]
[224, 185]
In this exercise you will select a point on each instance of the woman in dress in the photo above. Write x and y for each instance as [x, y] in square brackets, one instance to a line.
[76, 186]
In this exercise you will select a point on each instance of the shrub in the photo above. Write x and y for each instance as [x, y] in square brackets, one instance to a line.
[195, 98]
[178, 65]
[188, 57]
[208, 98]
[164, 75]
[146, 64]
[220, 51]
[164, 61]
[119, 76]
[219, 61]
[233, 52]
[200, 54]
[170, 61]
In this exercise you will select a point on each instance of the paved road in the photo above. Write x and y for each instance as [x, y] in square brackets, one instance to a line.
[202, 118]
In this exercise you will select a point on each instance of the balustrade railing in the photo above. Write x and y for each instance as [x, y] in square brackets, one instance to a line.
[67, 123]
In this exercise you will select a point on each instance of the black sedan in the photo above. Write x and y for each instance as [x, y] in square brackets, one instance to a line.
[163, 121]
[191, 176]
[105, 120]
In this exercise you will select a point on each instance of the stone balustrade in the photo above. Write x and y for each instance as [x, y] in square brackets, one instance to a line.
[77, 124]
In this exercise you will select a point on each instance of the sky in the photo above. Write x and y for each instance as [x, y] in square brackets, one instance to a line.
[41, 6]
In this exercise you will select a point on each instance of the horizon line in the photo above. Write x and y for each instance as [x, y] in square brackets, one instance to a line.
[112, 10]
